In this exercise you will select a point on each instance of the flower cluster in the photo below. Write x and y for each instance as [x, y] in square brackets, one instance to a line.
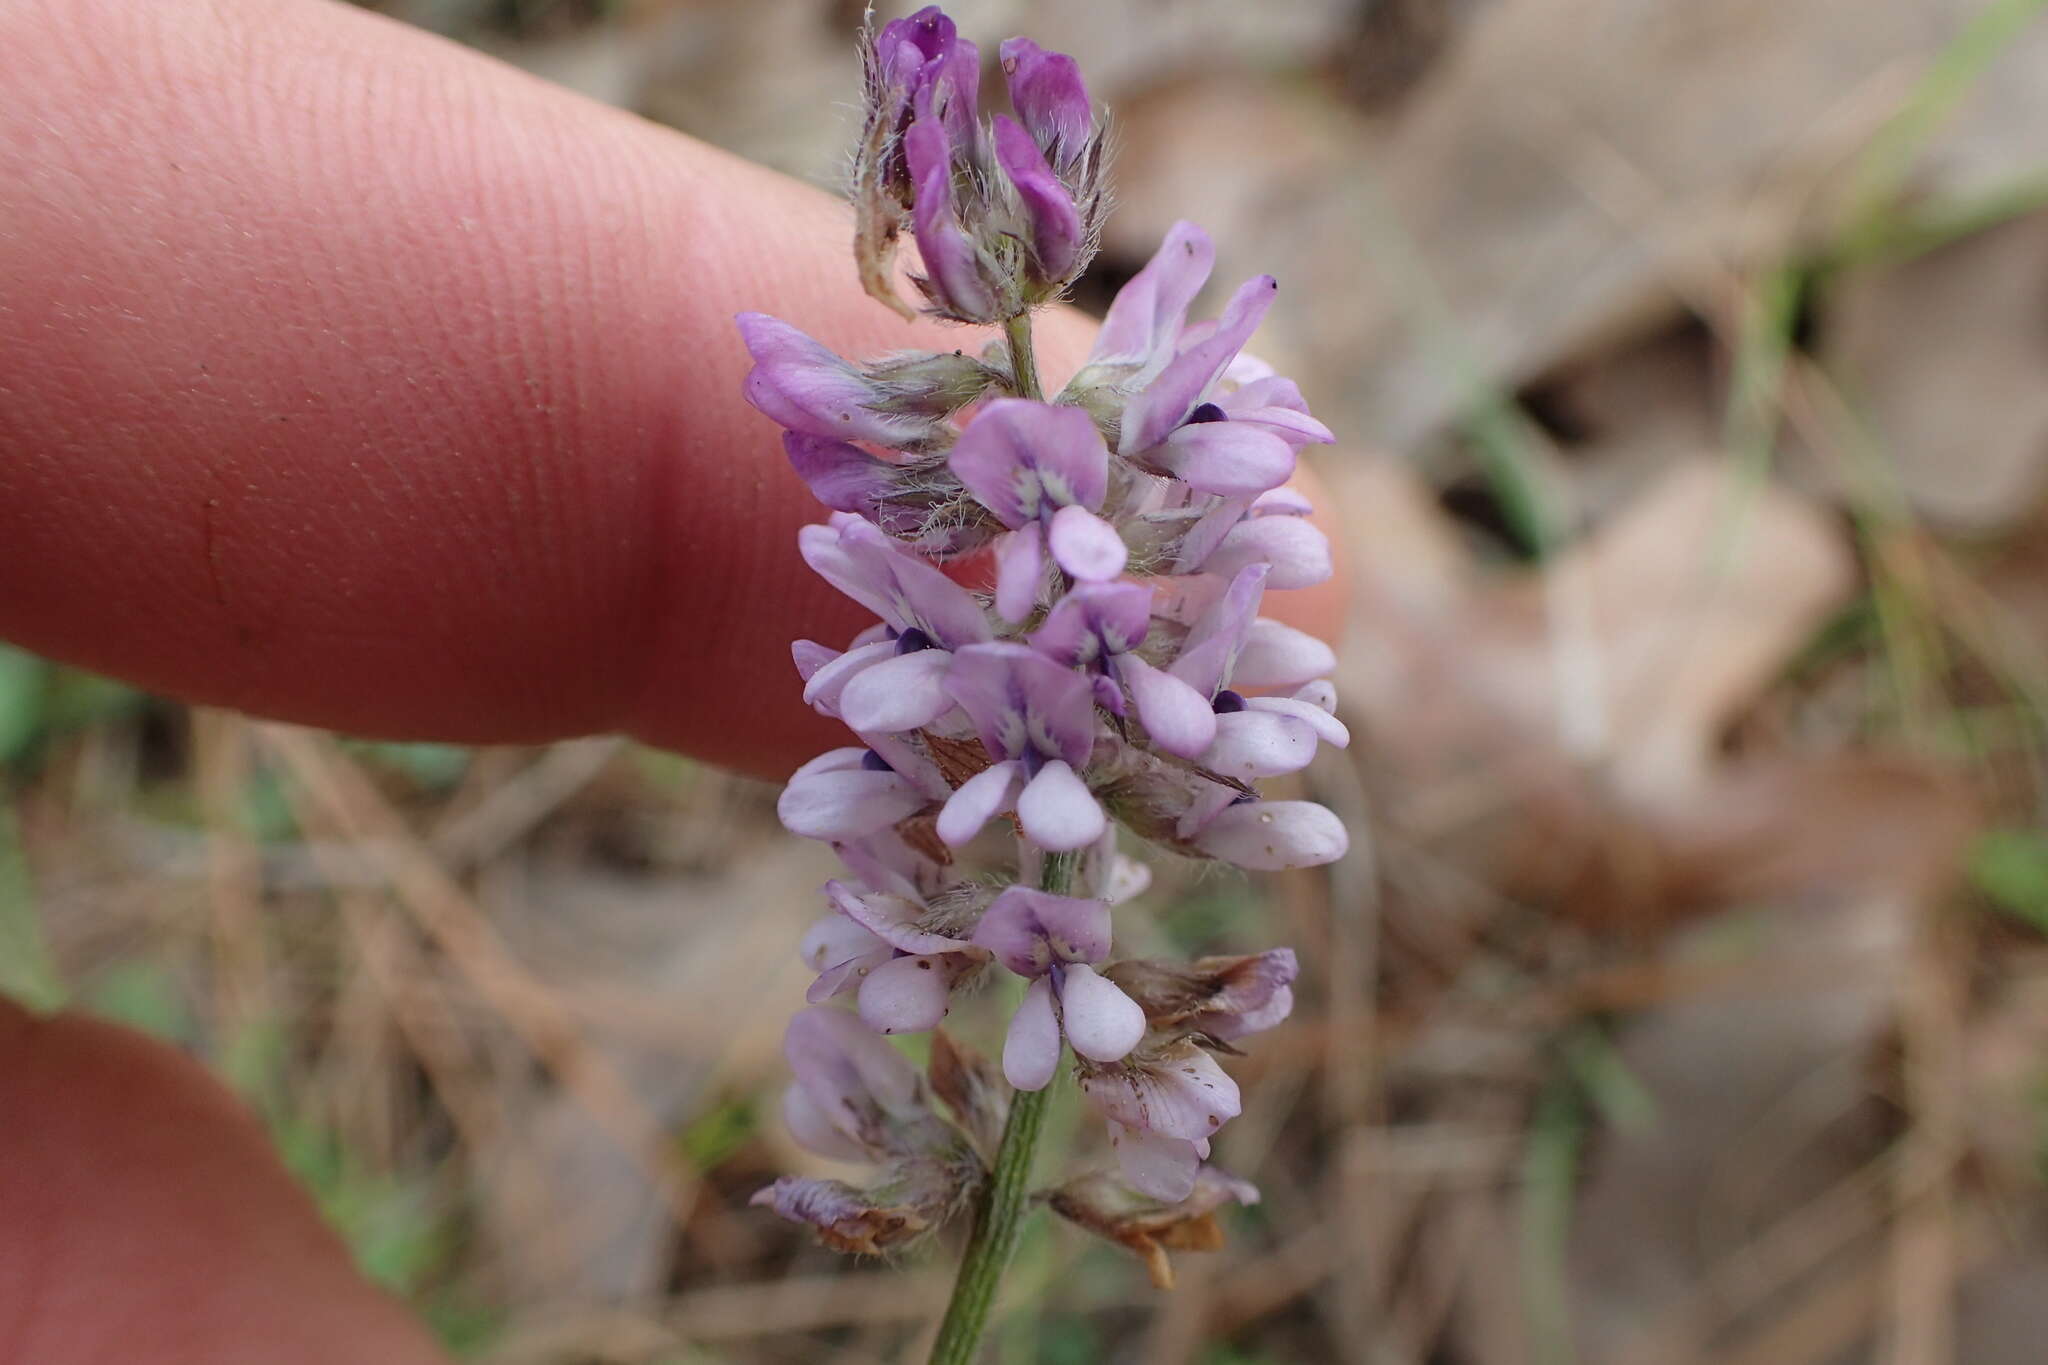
[1068, 646]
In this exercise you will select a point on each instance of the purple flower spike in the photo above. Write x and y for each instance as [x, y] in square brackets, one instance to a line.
[1056, 230]
[1046, 89]
[801, 384]
[1030, 930]
[1186, 380]
[1024, 460]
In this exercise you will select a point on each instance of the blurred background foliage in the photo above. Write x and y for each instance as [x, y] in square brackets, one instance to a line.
[1687, 1002]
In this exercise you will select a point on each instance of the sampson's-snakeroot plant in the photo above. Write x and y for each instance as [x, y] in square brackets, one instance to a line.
[1113, 688]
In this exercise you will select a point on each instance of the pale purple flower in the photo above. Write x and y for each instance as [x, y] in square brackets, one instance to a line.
[1054, 941]
[1275, 532]
[1099, 626]
[1270, 836]
[893, 684]
[903, 972]
[1144, 321]
[856, 1098]
[1043, 470]
[1037, 721]
[807, 388]
[846, 794]
[1163, 1105]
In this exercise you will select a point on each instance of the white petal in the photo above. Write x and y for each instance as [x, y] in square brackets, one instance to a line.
[1128, 879]
[1101, 1021]
[1280, 656]
[823, 688]
[813, 1129]
[906, 692]
[1270, 835]
[1031, 1049]
[1320, 693]
[906, 994]
[1296, 548]
[845, 803]
[1253, 744]
[1176, 717]
[1162, 1168]
[1086, 546]
[1058, 811]
[976, 802]
[1020, 565]
[1328, 728]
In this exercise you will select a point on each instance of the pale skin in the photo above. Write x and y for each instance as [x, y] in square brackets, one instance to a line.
[350, 378]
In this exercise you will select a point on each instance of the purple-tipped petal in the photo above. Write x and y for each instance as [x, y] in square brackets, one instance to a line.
[800, 383]
[1020, 571]
[1214, 642]
[1093, 621]
[829, 682]
[1049, 210]
[1296, 548]
[1229, 459]
[951, 262]
[1029, 930]
[904, 692]
[1157, 1167]
[976, 802]
[1102, 1023]
[1166, 402]
[1277, 405]
[1057, 810]
[1269, 836]
[1019, 457]
[1020, 702]
[1328, 728]
[1178, 718]
[834, 798]
[809, 656]
[1031, 1049]
[1276, 656]
[1046, 90]
[906, 995]
[1146, 316]
[1086, 546]
[843, 477]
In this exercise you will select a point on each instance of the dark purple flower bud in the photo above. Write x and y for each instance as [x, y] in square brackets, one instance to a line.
[1046, 90]
[954, 280]
[1054, 228]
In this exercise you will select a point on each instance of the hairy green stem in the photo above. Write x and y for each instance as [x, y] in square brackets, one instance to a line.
[1023, 360]
[999, 1218]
